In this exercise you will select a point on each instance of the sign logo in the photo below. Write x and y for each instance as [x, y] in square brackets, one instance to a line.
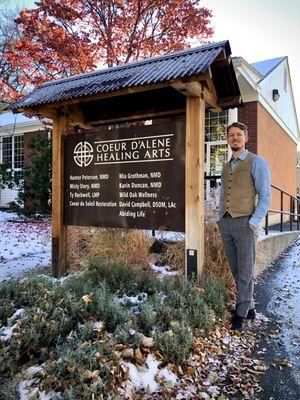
[83, 154]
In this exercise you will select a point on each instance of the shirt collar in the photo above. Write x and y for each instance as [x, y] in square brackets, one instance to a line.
[242, 156]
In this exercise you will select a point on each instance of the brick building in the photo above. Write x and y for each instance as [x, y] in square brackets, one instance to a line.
[269, 112]
[298, 175]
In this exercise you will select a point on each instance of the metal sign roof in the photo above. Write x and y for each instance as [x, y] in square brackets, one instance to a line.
[181, 64]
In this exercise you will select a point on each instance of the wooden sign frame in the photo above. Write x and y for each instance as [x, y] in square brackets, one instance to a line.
[186, 97]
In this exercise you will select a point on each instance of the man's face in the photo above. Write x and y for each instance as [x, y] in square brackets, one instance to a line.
[237, 138]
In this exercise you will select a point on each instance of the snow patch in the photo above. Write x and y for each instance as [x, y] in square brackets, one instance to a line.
[62, 279]
[17, 315]
[163, 270]
[143, 377]
[167, 235]
[24, 246]
[28, 392]
[7, 332]
[132, 300]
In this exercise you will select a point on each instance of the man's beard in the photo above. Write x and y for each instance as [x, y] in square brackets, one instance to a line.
[236, 147]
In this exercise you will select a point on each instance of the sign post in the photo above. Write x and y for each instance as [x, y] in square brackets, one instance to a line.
[59, 230]
[194, 186]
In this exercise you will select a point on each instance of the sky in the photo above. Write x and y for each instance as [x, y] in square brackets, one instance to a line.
[257, 30]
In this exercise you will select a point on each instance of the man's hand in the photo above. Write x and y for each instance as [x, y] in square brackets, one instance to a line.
[252, 227]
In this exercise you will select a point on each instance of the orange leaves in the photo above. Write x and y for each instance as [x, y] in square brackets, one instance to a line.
[74, 36]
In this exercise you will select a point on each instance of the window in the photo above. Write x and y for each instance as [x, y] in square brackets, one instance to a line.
[12, 151]
[216, 125]
[18, 152]
[7, 149]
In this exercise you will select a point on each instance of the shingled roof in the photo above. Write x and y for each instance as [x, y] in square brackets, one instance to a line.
[182, 64]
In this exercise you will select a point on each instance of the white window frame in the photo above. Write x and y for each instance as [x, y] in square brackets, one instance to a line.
[12, 150]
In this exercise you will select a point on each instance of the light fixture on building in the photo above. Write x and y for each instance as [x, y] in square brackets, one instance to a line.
[275, 94]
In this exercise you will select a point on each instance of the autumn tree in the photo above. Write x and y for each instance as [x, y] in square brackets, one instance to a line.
[76, 36]
[11, 81]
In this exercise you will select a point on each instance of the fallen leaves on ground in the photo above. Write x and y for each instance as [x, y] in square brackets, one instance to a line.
[219, 366]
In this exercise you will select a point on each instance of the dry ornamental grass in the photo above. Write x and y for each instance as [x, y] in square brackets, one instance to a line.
[131, 248]
[128, 247]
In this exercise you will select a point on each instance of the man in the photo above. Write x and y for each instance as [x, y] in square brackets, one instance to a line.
[244, 201]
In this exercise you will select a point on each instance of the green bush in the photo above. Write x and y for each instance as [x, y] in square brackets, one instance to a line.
[146, 318]
[121, 279]
[215, 295]
[72, 371]
[57, 327]
[175, 344]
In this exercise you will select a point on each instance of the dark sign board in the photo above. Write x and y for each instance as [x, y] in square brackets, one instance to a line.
[126, 178]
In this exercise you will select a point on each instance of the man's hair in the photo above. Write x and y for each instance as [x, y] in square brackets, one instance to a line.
[239, 125]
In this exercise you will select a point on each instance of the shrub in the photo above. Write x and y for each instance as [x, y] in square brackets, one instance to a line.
[175, 344]
[146, 318]
[58, 325]
[84, 371]
[22, 293]
[215, 294]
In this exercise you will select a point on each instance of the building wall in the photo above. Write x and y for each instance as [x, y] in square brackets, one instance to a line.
[269, 140]
[298, 181]
[282, 109]
[248, 115]
[27, 138]
[7, 196]
[277, 147]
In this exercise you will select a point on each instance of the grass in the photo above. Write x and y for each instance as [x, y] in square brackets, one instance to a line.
[128, 247]
[215, 264]
[57, 329]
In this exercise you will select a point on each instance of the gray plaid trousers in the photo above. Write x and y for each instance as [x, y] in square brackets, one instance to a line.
[239, 243]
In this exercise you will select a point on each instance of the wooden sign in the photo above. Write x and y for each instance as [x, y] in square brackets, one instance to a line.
[126, 178]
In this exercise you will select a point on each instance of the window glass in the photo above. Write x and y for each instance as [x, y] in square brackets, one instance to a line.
[12, 151]
[216, 125]
[18, 152]
[7, 149]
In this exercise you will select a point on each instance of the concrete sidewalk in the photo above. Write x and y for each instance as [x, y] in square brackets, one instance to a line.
[278, 298]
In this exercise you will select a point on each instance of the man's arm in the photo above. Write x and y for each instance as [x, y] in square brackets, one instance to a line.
[219, 213]
[262, 181]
